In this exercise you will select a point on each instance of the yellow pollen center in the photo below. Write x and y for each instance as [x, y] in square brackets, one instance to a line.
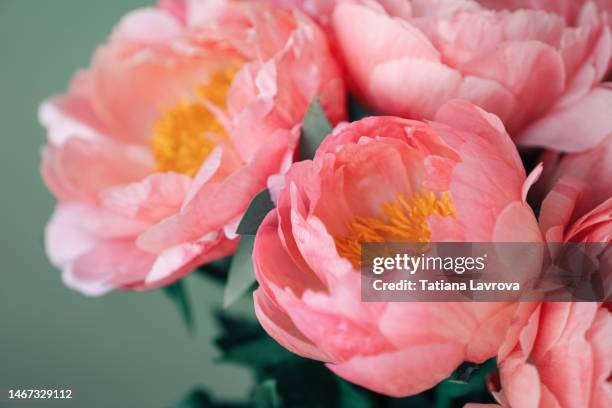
[403, 220]
[186, 133]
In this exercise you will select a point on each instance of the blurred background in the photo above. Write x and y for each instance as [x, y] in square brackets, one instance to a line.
[120, 350]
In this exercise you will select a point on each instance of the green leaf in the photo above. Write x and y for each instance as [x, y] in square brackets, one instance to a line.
[351, 396]
[464, 372]
[241, 275]
[234, 325]
[177, 293]
[315, 128]
[300, 382]
[200, 398]
[467, 384]
[265, 395]
[244, 342]
[253, 217]
[216, 270]
[263, 352]
[304, 383]
[195, 399]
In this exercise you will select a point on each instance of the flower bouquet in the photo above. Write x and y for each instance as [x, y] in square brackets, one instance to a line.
[273, 146]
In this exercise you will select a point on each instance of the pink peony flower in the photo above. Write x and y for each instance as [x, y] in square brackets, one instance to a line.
[390, 179]
[320, 10]
[593, 166]
[538, 68]
[578, 206]
[157, 149]
[569, 214]
[562, 358]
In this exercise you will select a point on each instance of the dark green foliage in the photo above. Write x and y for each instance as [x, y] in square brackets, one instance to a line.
[315, 128]
[200, 398]
[260, 206]
[356, 110]
[177, 293]
[241, 276]
[216, 270]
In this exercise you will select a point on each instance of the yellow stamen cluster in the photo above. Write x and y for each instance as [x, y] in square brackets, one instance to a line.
[404, 220]
[186, 134]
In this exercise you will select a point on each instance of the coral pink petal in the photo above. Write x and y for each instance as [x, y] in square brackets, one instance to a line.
[338, 335]
[489, 95]
[594, 166]
[278, 325]
[277, 271]
[318, 247]
[508, 230]
[387, 374]
[462, 115]
[522, 385]
[532, 71]
[440, 329]
[595, 226]
[599, 336]
[559, 206]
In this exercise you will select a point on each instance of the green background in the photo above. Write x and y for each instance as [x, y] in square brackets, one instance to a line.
[120, 350]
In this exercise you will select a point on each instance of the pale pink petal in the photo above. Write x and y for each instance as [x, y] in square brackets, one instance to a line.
[176, 262]
[178, 8]
[74, 114]
[152, 199]
[532, 178]
[81, 169]
[60, 126]
[112, 264]
[147, 25]
[569, 197]
[488, 94]
[428, 85]
[385, 40]
[593, 166]
[65, 238]
[579, 126]
[217, 204]
[171, 260]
